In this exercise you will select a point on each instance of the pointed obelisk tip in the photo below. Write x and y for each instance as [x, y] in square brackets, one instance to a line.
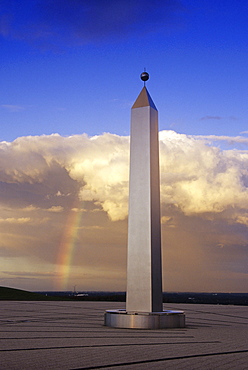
[144, 76]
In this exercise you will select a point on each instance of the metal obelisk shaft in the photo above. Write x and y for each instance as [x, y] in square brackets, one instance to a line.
[144, 305]
[144, 272]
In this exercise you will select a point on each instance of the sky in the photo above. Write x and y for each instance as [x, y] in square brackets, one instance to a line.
[70, 72]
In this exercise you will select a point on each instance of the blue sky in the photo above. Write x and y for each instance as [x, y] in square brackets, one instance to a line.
[69, 67]
[69, 76]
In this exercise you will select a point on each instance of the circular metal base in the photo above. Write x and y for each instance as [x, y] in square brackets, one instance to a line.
[144, 320]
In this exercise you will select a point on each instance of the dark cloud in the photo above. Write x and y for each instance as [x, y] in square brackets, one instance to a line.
[210, 117]
[81, 21]
[41, 193]
[231, 118]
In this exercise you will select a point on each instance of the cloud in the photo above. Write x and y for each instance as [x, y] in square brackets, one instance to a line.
[32, 274]
[198, 178]
[73, 191]
[55, 209]
[232, 118]
[195, 177]
[12, 108]
[12, 220]
[76, 21]
[228, 139]
[210, 117]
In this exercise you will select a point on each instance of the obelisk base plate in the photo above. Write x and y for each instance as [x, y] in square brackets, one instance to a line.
[144, 320]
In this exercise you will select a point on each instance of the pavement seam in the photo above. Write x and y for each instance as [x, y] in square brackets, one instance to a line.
[107, 345]
[162, 359]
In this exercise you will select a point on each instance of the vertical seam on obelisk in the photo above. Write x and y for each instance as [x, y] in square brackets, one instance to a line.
[154, 166]
[151, 201]
[151, 209]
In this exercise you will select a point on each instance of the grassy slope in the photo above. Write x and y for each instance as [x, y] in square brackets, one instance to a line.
[21, 295]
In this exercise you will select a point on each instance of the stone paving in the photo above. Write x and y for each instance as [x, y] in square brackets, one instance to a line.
[71, 335]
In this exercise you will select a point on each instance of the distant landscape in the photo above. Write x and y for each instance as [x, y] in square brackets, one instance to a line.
[171, 297]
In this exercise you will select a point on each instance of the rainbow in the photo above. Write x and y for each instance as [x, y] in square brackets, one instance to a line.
[67, 248]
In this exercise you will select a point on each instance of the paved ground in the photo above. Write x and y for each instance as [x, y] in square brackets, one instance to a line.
[71, 335]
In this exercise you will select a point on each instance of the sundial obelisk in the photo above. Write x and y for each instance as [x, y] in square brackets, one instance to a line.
[144, 305]
[144, 276]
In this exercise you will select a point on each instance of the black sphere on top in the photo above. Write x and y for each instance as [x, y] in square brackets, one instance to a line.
[144, 76]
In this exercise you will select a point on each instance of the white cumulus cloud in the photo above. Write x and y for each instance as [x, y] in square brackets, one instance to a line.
[195, 176]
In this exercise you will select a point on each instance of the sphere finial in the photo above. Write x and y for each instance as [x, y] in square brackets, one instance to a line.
[144, 76]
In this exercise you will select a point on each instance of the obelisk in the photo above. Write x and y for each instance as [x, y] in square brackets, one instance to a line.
[144, 272]
[144, 305]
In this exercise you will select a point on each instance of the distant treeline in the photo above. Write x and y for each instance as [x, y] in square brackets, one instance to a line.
[240, 299]
[197, 298]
